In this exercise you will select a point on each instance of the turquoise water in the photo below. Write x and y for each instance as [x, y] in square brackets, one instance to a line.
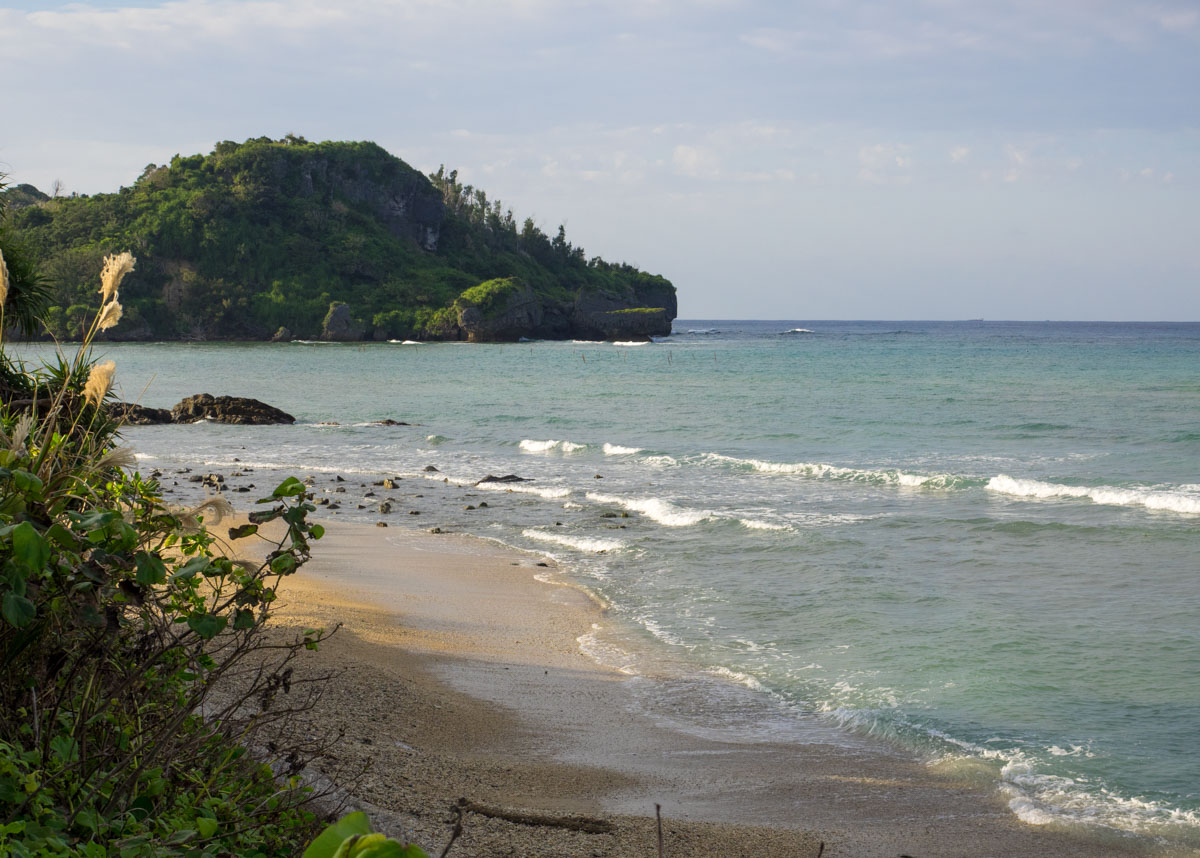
[977, 540]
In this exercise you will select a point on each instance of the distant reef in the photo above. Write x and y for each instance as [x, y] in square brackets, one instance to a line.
[282, 239]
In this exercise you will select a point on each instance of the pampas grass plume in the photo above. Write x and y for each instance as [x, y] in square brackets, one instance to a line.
[16, 443]
[116, 267]
[109, 316]
[119, 457]
[216, 509]
[99, 381]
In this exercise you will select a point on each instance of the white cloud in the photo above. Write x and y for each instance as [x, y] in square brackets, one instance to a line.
[959, 154]
[1178, 20]
[884, 163]
[695, 161]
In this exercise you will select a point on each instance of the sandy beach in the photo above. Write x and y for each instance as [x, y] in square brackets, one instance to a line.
[459, 674]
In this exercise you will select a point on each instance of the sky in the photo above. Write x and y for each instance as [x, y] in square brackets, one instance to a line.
[816, 159]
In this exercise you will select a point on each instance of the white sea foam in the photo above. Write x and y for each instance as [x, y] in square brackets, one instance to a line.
[590, 545]
[1169, 501]
[662, 511]
[632, 343]
[406, 342]
[547, 492]
[755, 524]
[738, 677]
[618, 450]
[661, 461]
[603, 651]
[531, 446]
[798, 331]
[1040, 798]
[837, 472]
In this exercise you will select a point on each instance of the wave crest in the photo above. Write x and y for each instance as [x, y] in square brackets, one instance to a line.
[837, 472]
[532, 446]
[590, 545]
[662, 511]
[1168, 501]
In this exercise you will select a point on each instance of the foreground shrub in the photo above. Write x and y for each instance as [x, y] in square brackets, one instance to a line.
[134, 672]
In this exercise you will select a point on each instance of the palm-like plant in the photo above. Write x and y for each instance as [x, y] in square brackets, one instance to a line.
[28, 292]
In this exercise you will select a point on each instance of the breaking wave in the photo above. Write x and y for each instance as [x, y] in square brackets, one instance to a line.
[662, 511]
[837, 472]
[531, 446]
[1164, 500]
[618, 450]
[590, 545]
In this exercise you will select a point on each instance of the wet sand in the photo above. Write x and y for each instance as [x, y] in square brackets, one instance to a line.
[459, 674]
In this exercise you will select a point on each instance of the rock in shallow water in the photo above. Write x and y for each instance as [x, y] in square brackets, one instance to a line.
[228, 409]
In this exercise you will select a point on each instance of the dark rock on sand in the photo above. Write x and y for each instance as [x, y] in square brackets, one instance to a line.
[228, 409]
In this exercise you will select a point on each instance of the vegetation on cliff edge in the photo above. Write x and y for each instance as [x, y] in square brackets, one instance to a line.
[266, 234]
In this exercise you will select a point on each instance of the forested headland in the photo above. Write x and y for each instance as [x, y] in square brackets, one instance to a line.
[338, 240]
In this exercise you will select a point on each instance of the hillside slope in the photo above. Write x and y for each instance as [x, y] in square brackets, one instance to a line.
[335, 240]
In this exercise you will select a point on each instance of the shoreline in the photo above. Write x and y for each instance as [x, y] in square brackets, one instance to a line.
[461, 674]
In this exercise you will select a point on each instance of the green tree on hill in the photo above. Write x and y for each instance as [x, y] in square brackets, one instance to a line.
[265, 234]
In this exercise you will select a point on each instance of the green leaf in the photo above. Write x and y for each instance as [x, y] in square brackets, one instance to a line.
[207, 626]
[65, 749]
[265, 515]
[284, 564]
[28, 483]
[180, 837]
[289, 488]
[243, 531]
[62, 537]
[331, 838]
[388, 849]
[244, 619]
[18, 610]
[191, 569]
[150, 569]
[206, 826]
[29, 547]
[90, 819]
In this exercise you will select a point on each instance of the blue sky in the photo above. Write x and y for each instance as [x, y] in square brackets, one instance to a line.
[825, 159]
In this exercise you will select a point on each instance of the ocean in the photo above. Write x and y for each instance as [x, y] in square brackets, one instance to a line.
[976, 540]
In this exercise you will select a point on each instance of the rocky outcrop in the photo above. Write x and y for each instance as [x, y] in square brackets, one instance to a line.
[599, 315]
[340, 326]
[513, 312]
[228, 409]
[283, 335]
[131, 414]
[401, 197]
